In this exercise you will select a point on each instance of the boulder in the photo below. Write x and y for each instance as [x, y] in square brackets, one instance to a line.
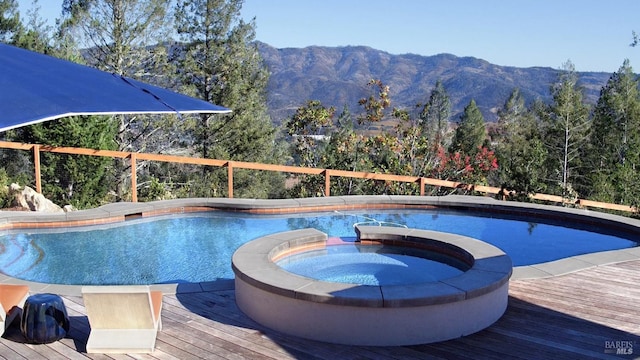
[27, 198]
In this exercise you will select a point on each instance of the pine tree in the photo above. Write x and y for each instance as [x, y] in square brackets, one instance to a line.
[219, 62]
[10, 24]
[471, 133]
[125, 37]
[435, 116]
[82, 181]
[519, 149]
[36, 35]
[120, 36]
[566, 130]
[613, 156]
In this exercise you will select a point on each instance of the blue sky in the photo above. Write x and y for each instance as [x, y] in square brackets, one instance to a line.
[593, 34]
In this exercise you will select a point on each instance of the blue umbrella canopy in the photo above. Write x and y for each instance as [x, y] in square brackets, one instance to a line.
[35, 88]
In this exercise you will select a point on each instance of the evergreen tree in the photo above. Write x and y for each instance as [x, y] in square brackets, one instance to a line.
[471, 133]
[435, 116]
[219, 62]
[519, 149]
[125, 37]
[10, 24]
[613, 155]
[36, 35]
[82, 181]
[120, 36]
[566, 130]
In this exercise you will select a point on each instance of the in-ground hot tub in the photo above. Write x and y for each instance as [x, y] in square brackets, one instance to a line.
[378, 315]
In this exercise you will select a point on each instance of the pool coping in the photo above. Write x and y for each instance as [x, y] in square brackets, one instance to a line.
[119, 212]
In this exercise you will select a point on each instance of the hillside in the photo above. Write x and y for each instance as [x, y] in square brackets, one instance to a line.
[337, 76]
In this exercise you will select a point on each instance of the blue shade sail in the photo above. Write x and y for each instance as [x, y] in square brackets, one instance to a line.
[35, 88]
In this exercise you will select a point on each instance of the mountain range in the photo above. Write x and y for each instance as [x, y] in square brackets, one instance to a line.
[337, 76]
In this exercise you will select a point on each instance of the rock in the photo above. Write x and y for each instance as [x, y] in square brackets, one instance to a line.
[29, 199]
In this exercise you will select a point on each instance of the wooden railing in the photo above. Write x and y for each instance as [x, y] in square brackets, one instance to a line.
[231, 165]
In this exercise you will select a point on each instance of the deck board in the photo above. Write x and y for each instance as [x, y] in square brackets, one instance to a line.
[569, 316]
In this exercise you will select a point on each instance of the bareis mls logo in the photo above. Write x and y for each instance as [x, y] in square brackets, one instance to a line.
[619, 347]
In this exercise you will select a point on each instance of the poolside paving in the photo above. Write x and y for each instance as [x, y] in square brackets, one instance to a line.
[584, 314]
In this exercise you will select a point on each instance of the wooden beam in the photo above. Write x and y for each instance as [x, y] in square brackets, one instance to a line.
[134, 178]
[15, 145]
[230, 179]
[36, 165]
[598, 204]
[327, 182]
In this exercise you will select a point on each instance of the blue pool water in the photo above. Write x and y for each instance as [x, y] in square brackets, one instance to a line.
[199, 247]
[369, 265]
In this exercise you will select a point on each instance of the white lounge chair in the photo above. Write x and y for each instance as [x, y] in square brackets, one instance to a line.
[123, 319]
[12, 298]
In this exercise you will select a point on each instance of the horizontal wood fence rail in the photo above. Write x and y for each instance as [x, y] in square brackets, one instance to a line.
[327, 173]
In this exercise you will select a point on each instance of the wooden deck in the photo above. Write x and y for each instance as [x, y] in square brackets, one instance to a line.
[567, 317]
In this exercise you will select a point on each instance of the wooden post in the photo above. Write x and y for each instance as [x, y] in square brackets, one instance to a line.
[327, 183]
[36, 165]
[421, 186]
[230, 179]
[134, 178]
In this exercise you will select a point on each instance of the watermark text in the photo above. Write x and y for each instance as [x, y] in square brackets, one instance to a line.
[619, 347]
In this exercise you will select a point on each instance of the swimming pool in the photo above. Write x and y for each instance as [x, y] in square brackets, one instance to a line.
[198, 247]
